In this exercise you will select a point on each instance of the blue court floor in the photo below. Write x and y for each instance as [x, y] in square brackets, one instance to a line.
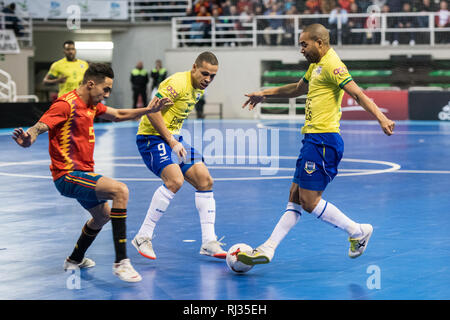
[399, 184]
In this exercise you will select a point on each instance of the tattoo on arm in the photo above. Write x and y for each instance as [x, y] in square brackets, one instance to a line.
[37, 129]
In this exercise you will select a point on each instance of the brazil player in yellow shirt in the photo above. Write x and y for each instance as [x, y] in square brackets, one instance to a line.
[67, 72]
[324, 82]
[173, 160]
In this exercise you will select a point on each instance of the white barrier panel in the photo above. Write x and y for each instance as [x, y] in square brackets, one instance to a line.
[63, 9]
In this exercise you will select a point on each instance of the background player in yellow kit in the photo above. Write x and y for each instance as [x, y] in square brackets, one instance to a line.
[169, 157]
[322, 147]
[67, 72]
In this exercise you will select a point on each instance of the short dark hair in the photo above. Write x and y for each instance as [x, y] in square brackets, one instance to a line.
[68, 42]
[98, 72]
[208, 57]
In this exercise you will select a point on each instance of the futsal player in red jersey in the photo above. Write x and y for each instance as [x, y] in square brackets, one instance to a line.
[70, 125]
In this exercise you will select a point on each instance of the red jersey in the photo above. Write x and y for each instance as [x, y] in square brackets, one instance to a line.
[71, 135]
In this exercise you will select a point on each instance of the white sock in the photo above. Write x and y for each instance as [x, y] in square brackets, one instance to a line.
[287, 221]
[206, 206]
[160, 203]
[327, 212]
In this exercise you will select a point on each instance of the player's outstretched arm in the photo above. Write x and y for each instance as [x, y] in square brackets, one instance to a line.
[356, 93]
[118, 115]
[291, 90]
[26, 138]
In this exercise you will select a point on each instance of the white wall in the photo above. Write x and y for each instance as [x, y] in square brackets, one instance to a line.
[18, 66]
[138, 43]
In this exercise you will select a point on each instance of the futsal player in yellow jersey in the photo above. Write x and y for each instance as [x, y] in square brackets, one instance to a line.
[169, 157]
[324, 82]
[67, 72]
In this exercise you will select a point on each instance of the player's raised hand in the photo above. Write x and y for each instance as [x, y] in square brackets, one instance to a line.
[157, 104]
[22, 137]
[388, 126]
[253, 99]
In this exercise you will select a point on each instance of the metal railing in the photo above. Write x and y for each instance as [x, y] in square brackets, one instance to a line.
[363, 28]
[144, 10]
[23, 27]
[8, 90]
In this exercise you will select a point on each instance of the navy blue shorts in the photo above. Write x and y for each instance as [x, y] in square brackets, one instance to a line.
[157, 154]
[317, 164]
[81, 186]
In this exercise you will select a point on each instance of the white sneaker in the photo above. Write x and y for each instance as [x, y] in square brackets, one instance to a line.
[395, 43]
[144, 246]
[359, 245]
[125, 271]
[73, 265]
[260, 255]
[412, 42]
[214, 249]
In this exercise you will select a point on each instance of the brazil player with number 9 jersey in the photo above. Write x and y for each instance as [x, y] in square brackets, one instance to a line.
[166, 154]
[324, 82]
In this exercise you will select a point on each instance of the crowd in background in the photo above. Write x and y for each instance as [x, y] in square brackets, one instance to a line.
[283, 35]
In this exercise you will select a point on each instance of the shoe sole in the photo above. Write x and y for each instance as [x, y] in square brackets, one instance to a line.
[137, 279]
[250, 260]
[140, 252]
[365, 246]
[217, 255]
[86, 266]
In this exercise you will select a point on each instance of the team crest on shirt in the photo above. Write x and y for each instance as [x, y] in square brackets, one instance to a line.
[197, 96]
[319, 70]
[310, 167]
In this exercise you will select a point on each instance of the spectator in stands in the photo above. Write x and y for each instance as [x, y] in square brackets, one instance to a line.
[201, 3]
[11, 20]
[189, 13]
[158, 75]
[139, 80]
[390, 23]
[261, 24]
[335, 33]
[274, 24]
[395, 5]
[313, 6]
[364, 4]
[225, 6]
[355, 23]
[442, 21]
[405, 22]
[424, 6]
[289, 27]
[346, 4]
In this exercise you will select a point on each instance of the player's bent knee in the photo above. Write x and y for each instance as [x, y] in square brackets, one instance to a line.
[205, 184]
[121, 191]
[174, 184]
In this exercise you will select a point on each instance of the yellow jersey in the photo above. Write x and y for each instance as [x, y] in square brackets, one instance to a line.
[72, 70]
[323, 101]
[184, 96]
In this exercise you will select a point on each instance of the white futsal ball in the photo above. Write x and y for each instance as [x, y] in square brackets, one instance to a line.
[232, 262]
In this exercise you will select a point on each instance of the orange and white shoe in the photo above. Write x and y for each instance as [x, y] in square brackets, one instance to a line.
[144, 246]
[213, 249]
[125, 271]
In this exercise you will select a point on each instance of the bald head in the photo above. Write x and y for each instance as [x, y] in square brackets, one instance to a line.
[315, 42]
[317, 32]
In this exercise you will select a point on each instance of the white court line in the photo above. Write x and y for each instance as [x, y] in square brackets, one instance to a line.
[357, 131]
[393, 168]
